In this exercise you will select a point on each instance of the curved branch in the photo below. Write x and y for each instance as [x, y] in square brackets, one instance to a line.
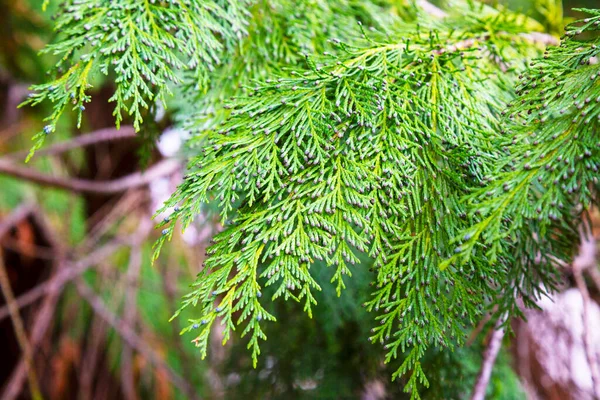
[135, 180]
[99, 136]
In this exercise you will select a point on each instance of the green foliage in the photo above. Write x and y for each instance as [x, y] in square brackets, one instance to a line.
[336, 136]
[280, 35]
[143, 44]
[328, 357]
[546, 179]
[368, 150]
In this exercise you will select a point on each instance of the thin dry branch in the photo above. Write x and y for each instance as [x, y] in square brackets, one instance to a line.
[131, 338]
[480, 327]
[43, 320]
[17, 215]
[20, 335]
[129, 315]
[169, 287]
[99, 136]
[105, 219]
[64, 276]
[489, 359]
[25, 367]
[32, 250]
[129, 312]
[134, 180]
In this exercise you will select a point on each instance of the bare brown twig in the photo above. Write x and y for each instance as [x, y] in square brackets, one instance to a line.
[25, 367]
[129, 312]
[104, 219]
[65, 275]
[169, 287]
[17, 215]
[134, 180]
[93, 379]
[129, 315]
[32, 250]
[489, 358]
[19, 333]
[99, 136]
[43, 321]
[131, 338]
[52, 289]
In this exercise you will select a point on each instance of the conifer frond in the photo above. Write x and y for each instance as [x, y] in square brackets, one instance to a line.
[330, 132]
[143, 44]
[280, 35]
[369, 150]
[547, 175]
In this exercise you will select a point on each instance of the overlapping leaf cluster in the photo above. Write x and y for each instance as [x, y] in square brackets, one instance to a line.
[385, 140]
[369, 150]
[547, 177]
[143, 44]
[280, 34]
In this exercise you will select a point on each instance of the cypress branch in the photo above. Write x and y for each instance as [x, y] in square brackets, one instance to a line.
[350, 134]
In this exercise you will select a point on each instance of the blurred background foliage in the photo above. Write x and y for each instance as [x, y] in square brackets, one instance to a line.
[82, 355]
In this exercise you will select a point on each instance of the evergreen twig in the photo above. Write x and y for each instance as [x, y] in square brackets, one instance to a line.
[442, 146]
